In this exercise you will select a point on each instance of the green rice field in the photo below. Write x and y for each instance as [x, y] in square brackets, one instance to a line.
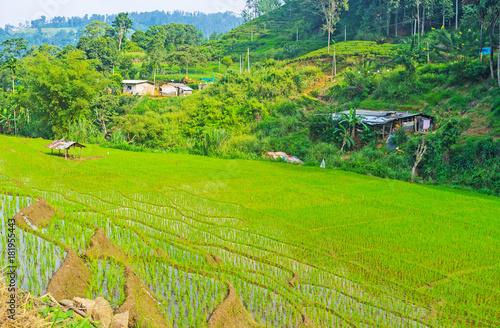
[302, 246]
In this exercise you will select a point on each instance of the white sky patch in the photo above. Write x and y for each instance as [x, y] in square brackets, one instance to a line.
[20, 11]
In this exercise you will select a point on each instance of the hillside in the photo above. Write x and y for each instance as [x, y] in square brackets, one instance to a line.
[62, 31]
[274, 105]
[275, 34]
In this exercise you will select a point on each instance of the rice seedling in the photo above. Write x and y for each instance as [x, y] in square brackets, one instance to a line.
[334, 247]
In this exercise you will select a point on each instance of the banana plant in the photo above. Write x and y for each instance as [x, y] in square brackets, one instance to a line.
[347, 128]
[7, 118]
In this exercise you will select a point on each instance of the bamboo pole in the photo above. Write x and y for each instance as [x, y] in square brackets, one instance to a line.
[334, 64]
[428, 54]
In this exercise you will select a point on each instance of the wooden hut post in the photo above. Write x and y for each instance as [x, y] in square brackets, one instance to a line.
[73, 151]
[66, 154]
[81, 152]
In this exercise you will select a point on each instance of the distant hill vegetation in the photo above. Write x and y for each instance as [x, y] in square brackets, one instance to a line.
[61, 31]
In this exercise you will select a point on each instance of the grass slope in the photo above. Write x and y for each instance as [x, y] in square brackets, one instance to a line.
[275, 34]
[433, 247]
[356, 48]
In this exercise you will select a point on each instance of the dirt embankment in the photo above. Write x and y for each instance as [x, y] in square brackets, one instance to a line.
[306, 322]
[72, 279]
[231, 313]
[140, 303]
[101, 248]
[39, 214]
[213, 260]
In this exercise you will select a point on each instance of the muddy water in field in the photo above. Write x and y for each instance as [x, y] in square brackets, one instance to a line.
[107, 281]
[36, 259]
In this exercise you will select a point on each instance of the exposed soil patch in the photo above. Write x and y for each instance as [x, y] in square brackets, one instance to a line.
[306, 322]
[71, 280]
[213, 260]
[140, 303]
[18, 182]
[101, 247]
[76, 159]
[89, 158]
[39, 214]
[162, 253]
[231, 313]
[293, 282]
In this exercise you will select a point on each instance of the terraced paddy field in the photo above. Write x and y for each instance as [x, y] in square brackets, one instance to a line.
[188, 241]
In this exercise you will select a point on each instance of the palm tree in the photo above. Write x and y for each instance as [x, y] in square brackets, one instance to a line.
[12, 64]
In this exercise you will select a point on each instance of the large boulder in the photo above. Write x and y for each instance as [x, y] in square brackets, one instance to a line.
[83, 304]
[120, 320]
[102, 312]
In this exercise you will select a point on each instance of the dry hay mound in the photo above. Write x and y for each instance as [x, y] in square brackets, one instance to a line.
[23, 318]
[71, 280]
[39, 214]
[231, 313]
[140, 303]
[101, 247]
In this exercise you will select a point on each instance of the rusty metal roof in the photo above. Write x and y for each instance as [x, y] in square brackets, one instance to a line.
[63, 144]
[372, 117]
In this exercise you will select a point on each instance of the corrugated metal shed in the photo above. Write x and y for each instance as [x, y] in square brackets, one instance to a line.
[136, 81]
[374, 117]
[181, 86]
[63, 144]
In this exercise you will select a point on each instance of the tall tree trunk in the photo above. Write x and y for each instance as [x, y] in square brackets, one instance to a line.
[423, 19]
[418, 17]
[13, 83]
[481, 39]
[329, 37]
[396, 22]
[419, 155]
[388, 23]
[456, 16]
[492, 32]
[15, 123]
[418, 22]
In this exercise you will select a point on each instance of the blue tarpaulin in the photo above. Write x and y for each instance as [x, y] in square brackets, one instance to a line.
[486, 51]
